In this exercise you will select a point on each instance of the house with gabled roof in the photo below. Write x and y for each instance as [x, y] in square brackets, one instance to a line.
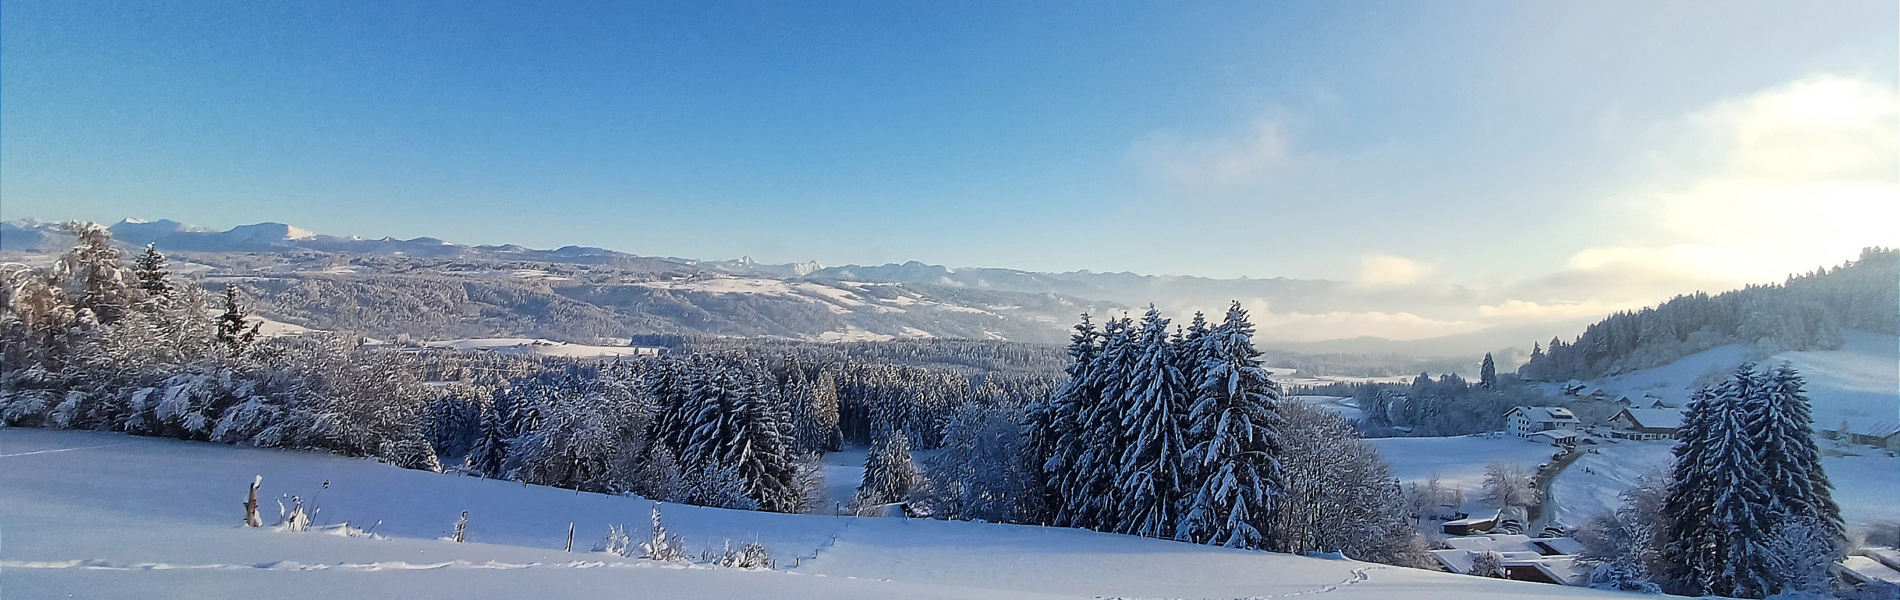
[1525, 421]
[1645, 423]
[1879, 433]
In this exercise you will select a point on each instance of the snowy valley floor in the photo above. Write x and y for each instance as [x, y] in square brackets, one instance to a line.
[97, 515]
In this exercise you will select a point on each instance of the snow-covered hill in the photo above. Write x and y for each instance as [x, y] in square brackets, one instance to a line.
[1858, 383]
[429, 288]
[752, 298]
[115, 516]
[1866, 480]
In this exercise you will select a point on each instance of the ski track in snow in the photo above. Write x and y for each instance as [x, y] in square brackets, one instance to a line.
[52, 450]
[1358, 576]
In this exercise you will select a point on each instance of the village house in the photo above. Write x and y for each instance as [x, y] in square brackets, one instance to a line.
[1645, 423]
[1470, 525]
[1877, 433]
[1525, 421]
[1557, 437]
[1522, 558]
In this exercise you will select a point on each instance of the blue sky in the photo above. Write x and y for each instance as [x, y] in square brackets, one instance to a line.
[1522, 145]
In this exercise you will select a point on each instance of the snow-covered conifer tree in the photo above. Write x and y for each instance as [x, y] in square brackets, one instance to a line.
[1090, 495]
[95, 273]
[761, 448]
[1235, 424]
[1719, 506]
[1151, 480]
[1781, 430]
[1191, 352]
[715, 399]
[235, 330]
[501, 422]
[1056, 434]
[889, 474]
[1488, 373]
[149, 268]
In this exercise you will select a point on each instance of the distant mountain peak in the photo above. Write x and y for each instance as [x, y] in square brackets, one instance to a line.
[269, 231]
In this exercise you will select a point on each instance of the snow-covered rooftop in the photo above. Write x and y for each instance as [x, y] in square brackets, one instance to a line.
[1879, 428]
[1547, 414]
[1655, 418]
[1869, 570]
[1561, 568]
[1561, 545]
[1494, 542]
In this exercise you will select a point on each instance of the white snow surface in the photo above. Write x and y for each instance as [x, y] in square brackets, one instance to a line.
[1459, 461]
[539, 347]
[1590, 485]
[1866, 480]
[1343, 405]
[112, 516]
[1860, 381]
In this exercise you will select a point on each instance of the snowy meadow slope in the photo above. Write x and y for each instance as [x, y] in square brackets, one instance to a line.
[1860, 382]
[134, 517]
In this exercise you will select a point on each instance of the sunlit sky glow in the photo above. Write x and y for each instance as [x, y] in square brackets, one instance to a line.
[1569, 158]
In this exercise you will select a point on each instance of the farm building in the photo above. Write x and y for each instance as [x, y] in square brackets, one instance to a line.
[1470, 525]
[1522, 558]
[1645, 423]
[1877, 433]
[1524, 421]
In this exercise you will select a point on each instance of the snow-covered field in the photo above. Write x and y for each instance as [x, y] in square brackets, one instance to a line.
[1866, 480]
[1342, 405]
[111, 516]
[1590, 485]
[540, 347]
[1860, 381]
[1458, 461]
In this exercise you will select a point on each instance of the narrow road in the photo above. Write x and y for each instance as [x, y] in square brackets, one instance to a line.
[1541, 513]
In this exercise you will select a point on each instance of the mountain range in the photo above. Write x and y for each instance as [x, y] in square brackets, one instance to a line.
[430, 287]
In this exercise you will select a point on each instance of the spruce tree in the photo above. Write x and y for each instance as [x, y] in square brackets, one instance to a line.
[715, 404]
[816, 417]
[760, 447]
[1533, 369]
[1235, 423]
[149, 268]
[1686, 505]
[1488, 373]
[1190, 352]
[1151, 481]
[889, 473]
[670, 382]
[1737, 537]
[1053, 423]
[1090, 494]
[500, 423]
[1781, 429]
[235, 331]
[1719, 505]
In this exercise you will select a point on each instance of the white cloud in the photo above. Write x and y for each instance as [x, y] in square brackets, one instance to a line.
[1385, 269]
[1255, 152]
[1746, 190]
[1824, 127]
[1762, 185]
[1531, 312]
[1308, 327]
